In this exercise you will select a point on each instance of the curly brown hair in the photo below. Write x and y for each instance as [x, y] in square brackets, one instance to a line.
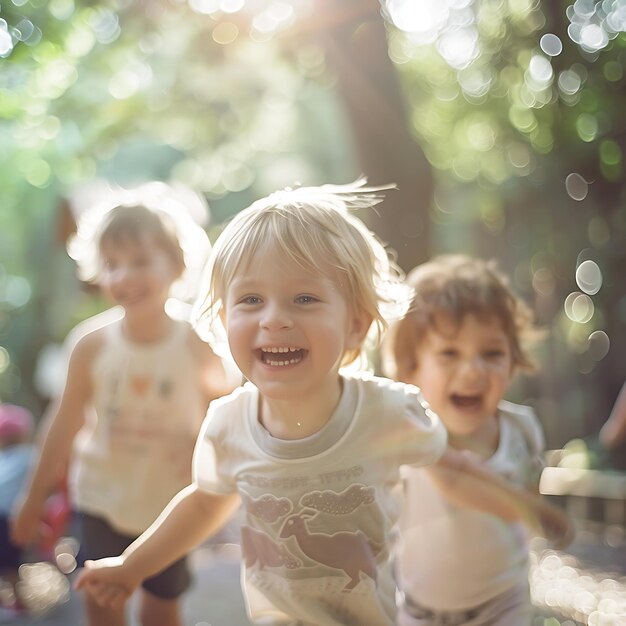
[454, 286]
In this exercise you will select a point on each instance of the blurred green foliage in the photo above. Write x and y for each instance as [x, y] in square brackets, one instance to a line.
[518, 105]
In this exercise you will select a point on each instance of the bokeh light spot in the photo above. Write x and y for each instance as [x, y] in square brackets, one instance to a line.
[569, 82]
[587, 127]
[16, 291]
[225, 33]
[543, 282]
[540, 70]
[579, 307]
[610, 152]
[551, 45]
[589, 277]
[61, 9]
[38, 173]
[420, 17]
[5, 359]
[576, 186]
[6, 41]
[204, 6]
[599, 345]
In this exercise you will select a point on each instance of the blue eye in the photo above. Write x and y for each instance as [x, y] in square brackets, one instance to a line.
[306, 299]
[252, 300]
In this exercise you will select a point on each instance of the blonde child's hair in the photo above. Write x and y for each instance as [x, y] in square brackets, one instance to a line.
[314, 229]
[149, 212]
[454, 286]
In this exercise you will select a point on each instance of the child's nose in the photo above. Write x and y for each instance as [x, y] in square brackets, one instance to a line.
[119, 274]
[472, 369]
[275, 317]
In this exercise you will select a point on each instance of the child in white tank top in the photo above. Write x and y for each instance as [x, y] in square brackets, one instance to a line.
[137, 388]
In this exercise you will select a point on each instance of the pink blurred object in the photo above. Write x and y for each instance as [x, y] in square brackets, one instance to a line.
[56, 519]
[15, 421]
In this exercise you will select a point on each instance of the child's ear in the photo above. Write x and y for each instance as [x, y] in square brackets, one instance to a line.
[411, 374]
[360, 324]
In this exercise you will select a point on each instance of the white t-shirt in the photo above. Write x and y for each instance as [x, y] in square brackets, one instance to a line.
[319, 512]
[134, 452]
[450, 558]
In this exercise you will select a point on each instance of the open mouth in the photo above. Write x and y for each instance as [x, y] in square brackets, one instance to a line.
[466, 402]
[282, 356]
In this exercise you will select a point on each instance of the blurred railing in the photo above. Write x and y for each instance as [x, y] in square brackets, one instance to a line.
[589, 494]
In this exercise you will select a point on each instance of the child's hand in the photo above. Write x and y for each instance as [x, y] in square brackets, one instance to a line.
[107, 581]
[555, 525]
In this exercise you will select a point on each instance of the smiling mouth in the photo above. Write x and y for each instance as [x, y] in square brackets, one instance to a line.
[466, 402]
[282, 356]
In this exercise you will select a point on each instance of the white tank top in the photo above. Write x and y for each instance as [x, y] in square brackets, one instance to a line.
[134, 452]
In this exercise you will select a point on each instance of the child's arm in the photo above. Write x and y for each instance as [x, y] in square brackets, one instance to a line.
[189, 518]
[466, 482]
[59, 427]
[614, 430]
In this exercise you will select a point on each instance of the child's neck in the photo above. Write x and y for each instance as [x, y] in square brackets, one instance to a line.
[297, 418]
[484, 441]
[146, 329]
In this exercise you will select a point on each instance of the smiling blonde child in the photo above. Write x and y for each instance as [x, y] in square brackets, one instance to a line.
[311, 450]
[463, 341]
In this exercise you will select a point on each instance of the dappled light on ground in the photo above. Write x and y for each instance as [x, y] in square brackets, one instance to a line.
[560, 583]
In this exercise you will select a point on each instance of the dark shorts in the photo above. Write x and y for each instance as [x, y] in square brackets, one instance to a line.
[99, 540]
[10, 554]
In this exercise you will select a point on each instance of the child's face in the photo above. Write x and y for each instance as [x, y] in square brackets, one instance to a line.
[288, 329]
[136, 274]
[464, 371]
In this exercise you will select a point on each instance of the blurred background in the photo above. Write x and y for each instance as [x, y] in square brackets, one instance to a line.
[502, 122]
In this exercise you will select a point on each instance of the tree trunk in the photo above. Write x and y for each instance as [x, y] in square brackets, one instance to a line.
[354, 39]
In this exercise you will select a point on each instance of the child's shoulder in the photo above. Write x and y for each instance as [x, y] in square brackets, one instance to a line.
[524, 419]
[367, 380]
[383, 391]
[91, 333]
[230, 412]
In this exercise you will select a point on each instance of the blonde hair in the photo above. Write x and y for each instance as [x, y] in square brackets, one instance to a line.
[313, 228]
[454, 286]
[152, 211]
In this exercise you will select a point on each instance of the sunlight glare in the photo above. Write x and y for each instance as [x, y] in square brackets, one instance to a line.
[459, 48]
[423, 17]
[205, 7]
[231, 6]
[6, 41]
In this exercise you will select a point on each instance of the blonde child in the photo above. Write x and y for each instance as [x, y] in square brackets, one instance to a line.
[462, 342]
[137, 387]
[310, 449]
